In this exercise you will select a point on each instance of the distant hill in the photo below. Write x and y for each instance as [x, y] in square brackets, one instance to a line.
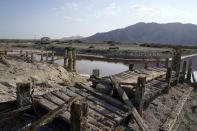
[72, 38]
[171, 33]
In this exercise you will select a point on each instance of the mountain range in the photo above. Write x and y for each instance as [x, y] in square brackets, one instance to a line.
[170, 33]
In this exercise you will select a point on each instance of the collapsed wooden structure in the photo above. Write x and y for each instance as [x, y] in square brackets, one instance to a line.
[98, 108]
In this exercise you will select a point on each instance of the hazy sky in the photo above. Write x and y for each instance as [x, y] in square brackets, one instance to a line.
[59, 18]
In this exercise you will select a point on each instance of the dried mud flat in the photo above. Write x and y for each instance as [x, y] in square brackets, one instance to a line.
[46, 77]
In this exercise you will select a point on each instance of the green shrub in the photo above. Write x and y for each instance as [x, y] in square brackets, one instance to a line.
[114, 48]
[110, 42]
[91, 47]
[69, 48]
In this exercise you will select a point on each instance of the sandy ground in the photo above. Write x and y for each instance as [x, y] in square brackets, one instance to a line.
[189, 121]
[46, 77]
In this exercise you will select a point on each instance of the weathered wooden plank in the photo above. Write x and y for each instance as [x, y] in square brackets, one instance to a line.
[93, 112]
[171, 120]
[101, 102]
[53, 99]
[96, 107]
[107, 98]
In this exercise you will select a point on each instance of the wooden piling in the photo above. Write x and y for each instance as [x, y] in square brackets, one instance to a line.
[32, 57]
[146, 64]
[189, 70]
[139, 94]
[47, 57]
[21, 53]
[52, 57]
[5, 52]
[96, 73]
[183, 72]
[74, 53]
[23, 94]
[70, 62]
[157, 62]
[131, 67]
[166, 62]
[27, 54]
[79, 116]
[65, 60]
[41, 57]
[168, 79]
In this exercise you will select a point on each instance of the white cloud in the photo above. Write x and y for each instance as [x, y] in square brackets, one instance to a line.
[111, 9]
[68, 5]
[68, 18]
[143, 11]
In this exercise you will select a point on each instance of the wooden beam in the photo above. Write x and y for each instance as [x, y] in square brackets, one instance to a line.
[189, 70]
[50, 115]
[133, 110]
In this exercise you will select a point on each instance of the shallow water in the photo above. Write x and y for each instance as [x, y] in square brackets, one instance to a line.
[106, 68]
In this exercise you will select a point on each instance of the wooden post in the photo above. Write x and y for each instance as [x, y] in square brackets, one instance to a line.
[168, 79]
[182, 75]
[139, 94]
[27, 54]
[70, 63]
[96, 73]
[74, 52]
[41, 59]
[166, 62]
[52, 57]
[146, 64]
[157, 62]
[176, 59]
[65, 60]
[6, 52]
[32, 57]
[47, 57]
[131, 67]
[23, 94]
[189, 70]
[79, 116]
[21, 52]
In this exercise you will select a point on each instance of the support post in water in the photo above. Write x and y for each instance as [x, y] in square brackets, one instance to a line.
[189, 72]
[27, 54]
[65, 59]
[23, 93]
[21, 53]
[157, 62]
[166, 62]
[74, 52]
[41, 57]
[52, 57]
[139, 95]
[70, 63]
[183, 72]
[146, 64]
[79, 116]
[168, 79]
[47, 57]
[96, 73]
[5, 52]
[32, 57]
[131, 67]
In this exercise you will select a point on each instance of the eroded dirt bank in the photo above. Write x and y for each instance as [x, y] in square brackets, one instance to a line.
[46, 77]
